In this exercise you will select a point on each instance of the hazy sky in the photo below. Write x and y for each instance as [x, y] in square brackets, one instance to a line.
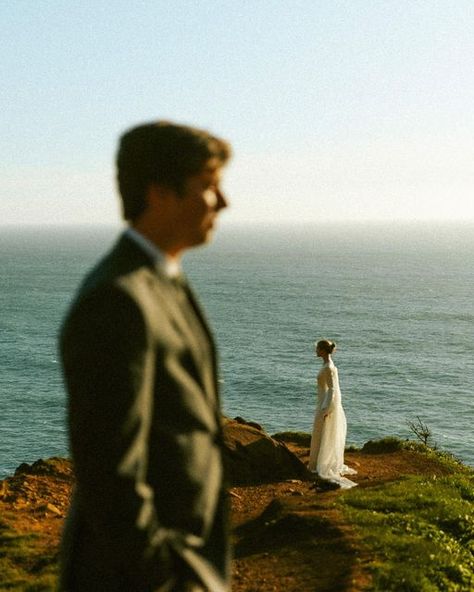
[337, 110]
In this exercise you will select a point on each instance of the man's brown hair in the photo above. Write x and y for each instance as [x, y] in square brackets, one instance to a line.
[163, 153]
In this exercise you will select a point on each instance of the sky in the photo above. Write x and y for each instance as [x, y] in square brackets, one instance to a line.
[357, 110]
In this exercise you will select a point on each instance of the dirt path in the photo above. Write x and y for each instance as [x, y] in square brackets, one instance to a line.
[287, 536]
[296, 542]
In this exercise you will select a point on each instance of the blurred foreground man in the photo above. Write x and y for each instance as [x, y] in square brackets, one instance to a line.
[148, 511]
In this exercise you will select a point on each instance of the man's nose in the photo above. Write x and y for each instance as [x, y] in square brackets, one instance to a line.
[221, 201]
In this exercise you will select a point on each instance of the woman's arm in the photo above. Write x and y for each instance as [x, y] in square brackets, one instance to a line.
[327, 405]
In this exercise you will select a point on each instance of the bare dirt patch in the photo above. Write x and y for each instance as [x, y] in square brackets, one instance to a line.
[287, 535]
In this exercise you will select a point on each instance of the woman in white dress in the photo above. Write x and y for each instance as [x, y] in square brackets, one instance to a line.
[329, 431]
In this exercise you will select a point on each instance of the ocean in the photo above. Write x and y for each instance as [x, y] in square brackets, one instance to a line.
[397, 299]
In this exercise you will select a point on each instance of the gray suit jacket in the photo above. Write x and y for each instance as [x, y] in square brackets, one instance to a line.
[145, 431]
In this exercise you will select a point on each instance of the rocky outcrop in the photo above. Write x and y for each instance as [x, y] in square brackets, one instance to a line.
[253, 457]
[55, 466]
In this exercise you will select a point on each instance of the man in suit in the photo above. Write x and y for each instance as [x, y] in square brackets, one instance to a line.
[149, 510]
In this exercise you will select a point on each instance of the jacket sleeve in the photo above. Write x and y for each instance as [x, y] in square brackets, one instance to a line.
[108, 362]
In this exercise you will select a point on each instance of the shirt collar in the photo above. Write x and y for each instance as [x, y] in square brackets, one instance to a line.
[170, 267]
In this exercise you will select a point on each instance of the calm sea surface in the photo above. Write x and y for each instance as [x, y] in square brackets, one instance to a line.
[398, 300]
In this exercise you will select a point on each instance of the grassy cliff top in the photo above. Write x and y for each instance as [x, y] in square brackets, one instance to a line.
[408, 526]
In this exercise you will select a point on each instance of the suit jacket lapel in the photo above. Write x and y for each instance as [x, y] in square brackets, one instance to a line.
[183, 311]
[172, 301]
[132, 255]
[200, 315]
[198, 311]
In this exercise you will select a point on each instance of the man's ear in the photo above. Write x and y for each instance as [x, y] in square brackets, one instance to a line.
[157, 195]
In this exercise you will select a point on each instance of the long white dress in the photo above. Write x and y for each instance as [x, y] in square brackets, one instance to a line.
[329, 433]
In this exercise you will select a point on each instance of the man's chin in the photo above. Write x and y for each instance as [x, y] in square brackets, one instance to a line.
[203, 238]
[208, 236]
[209, 232]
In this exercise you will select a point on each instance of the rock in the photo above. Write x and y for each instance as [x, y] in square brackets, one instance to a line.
[388, 444]
[323, 484]
[250, 454]
[4, 490]
[234, 494]
[49, 507]
[252, 457]
[60, 468]
[53, 509]
[252, 424]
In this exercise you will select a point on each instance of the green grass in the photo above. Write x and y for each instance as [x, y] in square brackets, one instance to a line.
[418, 530]
[23, 563]
[421, 531]
[394, 444]
[300, 438]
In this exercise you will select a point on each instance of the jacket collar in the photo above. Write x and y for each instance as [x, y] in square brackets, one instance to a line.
[169, 267]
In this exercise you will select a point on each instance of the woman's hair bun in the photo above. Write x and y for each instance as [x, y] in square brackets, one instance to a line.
[326, 345]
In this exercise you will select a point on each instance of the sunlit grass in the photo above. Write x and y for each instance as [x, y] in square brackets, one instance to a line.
[300, 438]
[23, 563]
[420, 531]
